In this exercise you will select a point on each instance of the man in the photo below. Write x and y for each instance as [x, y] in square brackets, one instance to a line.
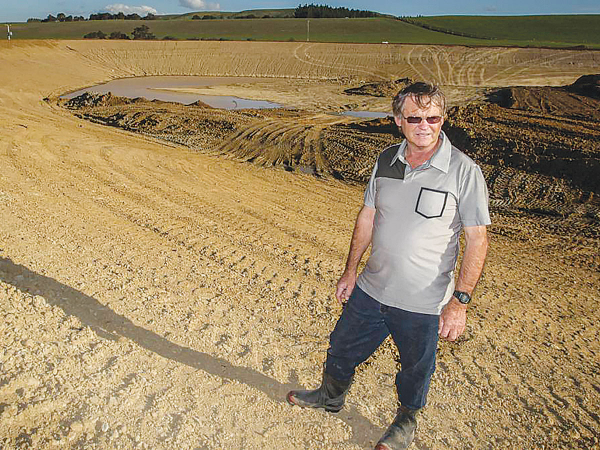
[421, 195]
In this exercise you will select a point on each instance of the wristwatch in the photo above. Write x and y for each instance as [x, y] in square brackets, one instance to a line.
[462, 297]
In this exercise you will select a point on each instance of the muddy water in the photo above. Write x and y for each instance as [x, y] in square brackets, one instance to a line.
[166, 88]
[159, 88]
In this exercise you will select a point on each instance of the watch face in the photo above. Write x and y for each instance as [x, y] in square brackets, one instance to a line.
[462, 297]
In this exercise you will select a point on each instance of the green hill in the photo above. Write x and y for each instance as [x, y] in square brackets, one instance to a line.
[556, 30]
[371, 30]
[551, 31]
[258, 13]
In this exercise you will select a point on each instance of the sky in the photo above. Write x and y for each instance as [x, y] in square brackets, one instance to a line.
[21, 10]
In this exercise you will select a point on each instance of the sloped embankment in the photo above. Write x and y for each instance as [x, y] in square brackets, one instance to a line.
[296, 140]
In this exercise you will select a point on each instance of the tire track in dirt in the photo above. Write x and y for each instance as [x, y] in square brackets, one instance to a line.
[452, 67]
[469, 78]
[423, 60]
[409, 59]
[292, 142]
[166, 228]
[528, 387]
[436, 53]
[476, 66]
[525, 66]
[307, 59]
[127, 392]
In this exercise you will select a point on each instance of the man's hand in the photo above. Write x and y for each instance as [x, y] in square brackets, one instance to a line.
[454, 315]
[453, 320]
[345, 286]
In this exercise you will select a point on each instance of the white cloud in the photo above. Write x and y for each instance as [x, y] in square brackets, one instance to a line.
[125, 9]
[198, 5]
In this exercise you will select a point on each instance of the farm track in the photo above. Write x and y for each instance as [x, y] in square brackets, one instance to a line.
[153, 296]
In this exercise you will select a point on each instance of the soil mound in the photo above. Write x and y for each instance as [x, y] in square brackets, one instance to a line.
[534, 162]
[380, 89]
[588, 85]
[196, 125]
[91, 99]
[580, 100]
[289, 138]
[539, 143]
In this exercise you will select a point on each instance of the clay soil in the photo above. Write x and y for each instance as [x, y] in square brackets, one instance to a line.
[165, 279]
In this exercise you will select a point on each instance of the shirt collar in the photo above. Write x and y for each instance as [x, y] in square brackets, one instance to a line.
[440, 159]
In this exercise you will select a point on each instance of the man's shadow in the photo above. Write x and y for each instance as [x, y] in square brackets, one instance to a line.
[110, 325]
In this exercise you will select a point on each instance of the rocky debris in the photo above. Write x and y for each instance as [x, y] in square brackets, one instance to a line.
[200, 104]
[93, 99]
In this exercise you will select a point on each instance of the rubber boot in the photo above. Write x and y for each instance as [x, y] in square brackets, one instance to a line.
[401, 432]
[329, 396]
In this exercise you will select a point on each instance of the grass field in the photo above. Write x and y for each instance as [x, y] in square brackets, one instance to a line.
[370, 30]
[537, 31]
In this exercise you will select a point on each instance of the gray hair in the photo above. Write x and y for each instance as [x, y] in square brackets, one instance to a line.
[423, 95]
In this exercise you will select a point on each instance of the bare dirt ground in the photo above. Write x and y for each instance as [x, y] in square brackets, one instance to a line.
[154, 295]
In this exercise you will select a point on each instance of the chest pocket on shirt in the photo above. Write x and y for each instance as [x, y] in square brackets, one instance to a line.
[431, 203]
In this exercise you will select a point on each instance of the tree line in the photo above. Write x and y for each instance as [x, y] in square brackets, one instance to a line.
[139, 33]
[324, 11]
[61, 17]
[417, 22]
[301, 12]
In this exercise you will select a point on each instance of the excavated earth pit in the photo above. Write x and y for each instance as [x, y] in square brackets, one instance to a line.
[539, 147]
[165, 280]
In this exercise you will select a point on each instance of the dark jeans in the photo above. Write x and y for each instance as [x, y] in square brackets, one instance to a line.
[364, 325]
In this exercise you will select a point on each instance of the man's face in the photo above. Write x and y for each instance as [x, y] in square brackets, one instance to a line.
[423, 135]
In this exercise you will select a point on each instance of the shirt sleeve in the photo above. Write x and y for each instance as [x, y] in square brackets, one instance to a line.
[371, 189]
[473, 201]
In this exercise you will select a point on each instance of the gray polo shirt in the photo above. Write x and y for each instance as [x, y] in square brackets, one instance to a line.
[418, 220]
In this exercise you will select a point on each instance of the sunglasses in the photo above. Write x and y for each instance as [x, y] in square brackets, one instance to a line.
[431, 120]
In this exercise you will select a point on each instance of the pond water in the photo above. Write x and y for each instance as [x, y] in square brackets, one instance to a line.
[158, 88]
[162, 88]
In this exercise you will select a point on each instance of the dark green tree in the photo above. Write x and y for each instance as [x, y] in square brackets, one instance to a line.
[95, 35]
[322, 11]
[142, 33]
[118, 35]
